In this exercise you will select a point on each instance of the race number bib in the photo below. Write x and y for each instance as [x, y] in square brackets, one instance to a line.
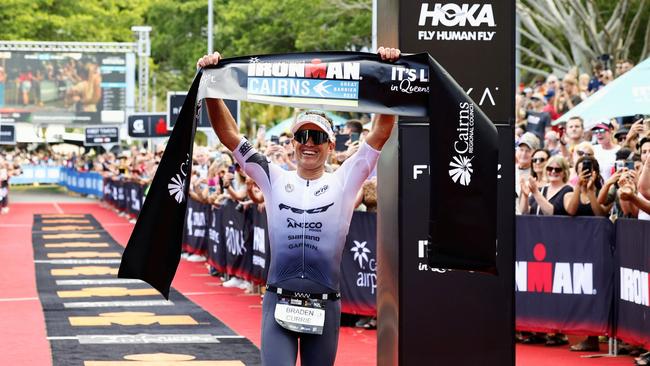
[302, 316]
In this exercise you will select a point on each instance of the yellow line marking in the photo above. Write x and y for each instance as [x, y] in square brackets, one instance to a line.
[71, 236]
[77, 244]
[85, 271]
[85, 255]
[131, 318]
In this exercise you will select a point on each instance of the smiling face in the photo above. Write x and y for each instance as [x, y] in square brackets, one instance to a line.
[310, 156]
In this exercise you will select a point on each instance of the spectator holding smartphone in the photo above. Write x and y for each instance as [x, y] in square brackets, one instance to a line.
[583, 201]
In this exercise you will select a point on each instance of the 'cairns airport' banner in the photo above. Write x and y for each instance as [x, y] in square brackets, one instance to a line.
[463, 148]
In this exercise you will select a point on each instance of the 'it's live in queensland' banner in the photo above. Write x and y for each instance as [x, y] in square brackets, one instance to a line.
[463, 147]
[564, 268]
[633, 300]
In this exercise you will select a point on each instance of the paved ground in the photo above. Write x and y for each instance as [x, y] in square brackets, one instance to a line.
[45, 193]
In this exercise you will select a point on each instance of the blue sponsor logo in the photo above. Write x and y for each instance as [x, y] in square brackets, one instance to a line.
[305, 88]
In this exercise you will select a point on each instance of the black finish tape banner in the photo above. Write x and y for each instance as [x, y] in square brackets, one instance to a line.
[463, 148]
[632, 297]
[564, 274]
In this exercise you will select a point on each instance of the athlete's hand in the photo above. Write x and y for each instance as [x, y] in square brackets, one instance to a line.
[208, 60]
[388, 54]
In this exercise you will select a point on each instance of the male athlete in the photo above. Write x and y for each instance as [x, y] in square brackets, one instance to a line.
[309, 213]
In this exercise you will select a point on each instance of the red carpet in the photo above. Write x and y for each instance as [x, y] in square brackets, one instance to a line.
[23, 338]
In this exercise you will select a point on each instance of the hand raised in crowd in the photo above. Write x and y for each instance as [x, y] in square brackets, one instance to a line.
[208, 60]
[525, 187]
[591, 183]
[532, 185]
[614, 178]
[583, 178]
[627, 190]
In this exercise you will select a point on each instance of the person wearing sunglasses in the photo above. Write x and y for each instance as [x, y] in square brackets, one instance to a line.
[547, 199]
[538, 161]
[583, 201]
[309, 213]
[605, 150]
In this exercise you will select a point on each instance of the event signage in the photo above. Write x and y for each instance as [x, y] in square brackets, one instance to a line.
[146, 125]
[454, 33]
[632, 295]
[64, 87]
[564, 271]
[7, 134]
[349, 81]
[101, 135]
[175, 102]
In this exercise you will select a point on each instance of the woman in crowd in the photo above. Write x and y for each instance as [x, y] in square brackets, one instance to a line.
[547, 199]
[583, 201]
[538, 161]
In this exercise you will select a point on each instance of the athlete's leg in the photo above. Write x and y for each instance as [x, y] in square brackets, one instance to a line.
[279, 346]
[320, 350]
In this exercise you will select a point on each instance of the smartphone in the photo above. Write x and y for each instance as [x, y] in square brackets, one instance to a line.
[619, 164]
[586, 165]
[231, 169]
[340, 142]
[275, 139]
[354, 136]
[629, 164]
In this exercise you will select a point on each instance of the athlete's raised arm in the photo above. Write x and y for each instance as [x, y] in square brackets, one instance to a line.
[223, 123]
[383, 123]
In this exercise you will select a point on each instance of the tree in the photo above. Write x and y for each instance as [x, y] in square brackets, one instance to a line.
[558, 35]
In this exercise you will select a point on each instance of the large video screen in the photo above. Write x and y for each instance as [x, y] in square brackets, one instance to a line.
[62, 87]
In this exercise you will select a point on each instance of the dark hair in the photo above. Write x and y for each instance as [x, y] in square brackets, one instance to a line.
[355, 125]
[595, 169]
[623, 153]
[548, 156]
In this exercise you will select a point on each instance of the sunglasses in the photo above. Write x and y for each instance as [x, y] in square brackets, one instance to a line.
[599, 131]
[554, 169]
[538, 160]
[318, 137]
[582, 153]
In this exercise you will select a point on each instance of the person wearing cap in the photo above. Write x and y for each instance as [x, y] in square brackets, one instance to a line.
[527, 143]
[605, 150]
[309, 213]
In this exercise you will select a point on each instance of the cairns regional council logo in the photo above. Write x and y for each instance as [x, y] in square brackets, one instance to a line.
[176, 185]
[314, 81]
[460, 167]
[367, 275]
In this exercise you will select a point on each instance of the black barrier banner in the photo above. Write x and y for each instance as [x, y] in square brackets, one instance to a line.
[216, 244]
[463, 147]
[632, 294]
[261, 246]
[239, 248]
[134, 197]
[154, 248]
[359, 266]
[195, 240]
[564, 274]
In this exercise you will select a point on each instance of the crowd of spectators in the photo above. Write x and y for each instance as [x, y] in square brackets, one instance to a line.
[563, 168]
